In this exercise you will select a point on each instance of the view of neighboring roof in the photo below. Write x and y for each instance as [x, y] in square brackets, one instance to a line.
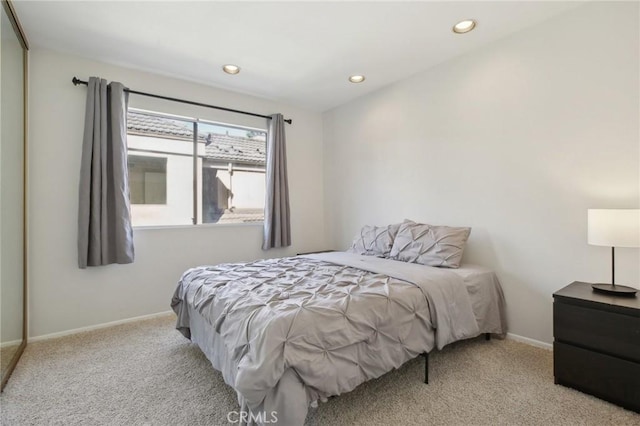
[150, 125]
[237, 149]
[239, 216]
[226, 148]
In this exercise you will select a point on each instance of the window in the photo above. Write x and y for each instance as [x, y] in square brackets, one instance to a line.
[218, 176]
[148, 179]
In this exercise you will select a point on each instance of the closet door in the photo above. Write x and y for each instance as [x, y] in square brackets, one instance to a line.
[12, 192]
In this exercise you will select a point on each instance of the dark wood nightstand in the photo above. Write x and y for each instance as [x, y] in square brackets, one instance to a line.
[596, 344]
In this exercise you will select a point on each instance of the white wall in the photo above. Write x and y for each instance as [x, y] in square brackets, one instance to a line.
[63, 297]
[517, 140]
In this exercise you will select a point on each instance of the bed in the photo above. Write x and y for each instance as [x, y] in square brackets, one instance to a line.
[287, 333]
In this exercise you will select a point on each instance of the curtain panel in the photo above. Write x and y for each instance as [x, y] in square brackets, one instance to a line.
[277, 227]
[105, 234]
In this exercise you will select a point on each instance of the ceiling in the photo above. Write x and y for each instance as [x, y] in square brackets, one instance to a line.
[299, 53]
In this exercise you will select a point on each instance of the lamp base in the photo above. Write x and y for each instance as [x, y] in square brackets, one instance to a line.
[615, 290]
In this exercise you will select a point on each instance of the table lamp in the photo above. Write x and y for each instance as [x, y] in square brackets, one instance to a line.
[614, 228]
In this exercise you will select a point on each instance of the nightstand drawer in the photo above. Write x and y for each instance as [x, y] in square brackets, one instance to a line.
[606, 377]
[607, 332]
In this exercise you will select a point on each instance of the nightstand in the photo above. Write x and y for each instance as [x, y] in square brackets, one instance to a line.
[596, 344]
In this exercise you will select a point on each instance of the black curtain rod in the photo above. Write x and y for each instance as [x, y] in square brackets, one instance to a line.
[77, 81]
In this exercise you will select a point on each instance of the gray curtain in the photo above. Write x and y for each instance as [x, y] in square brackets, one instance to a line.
[104, 223]
[277, 227]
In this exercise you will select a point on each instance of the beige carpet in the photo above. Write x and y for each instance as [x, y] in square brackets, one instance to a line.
[146, 373]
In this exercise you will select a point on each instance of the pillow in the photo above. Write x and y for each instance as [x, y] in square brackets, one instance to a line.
[429, 245]
[374, 240]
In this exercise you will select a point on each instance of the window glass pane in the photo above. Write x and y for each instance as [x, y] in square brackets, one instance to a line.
[148, 179]
[231, 174]
[160, 170]
[226, 186]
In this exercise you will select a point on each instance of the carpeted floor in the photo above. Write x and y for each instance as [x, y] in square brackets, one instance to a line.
[146, 373]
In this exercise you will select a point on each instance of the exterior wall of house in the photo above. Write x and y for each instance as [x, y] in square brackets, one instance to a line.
[178, 209]
[248, 189]
[240, 189]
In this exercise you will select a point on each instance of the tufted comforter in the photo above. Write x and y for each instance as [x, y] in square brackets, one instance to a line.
[288, 332]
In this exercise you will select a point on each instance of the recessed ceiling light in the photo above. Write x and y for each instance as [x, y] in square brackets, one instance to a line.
[231, 69]
[464, 26]
[356, 78]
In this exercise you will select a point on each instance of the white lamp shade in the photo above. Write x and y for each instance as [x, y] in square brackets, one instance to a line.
[613, 227]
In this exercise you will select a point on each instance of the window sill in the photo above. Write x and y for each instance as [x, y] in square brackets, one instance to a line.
[202, 225]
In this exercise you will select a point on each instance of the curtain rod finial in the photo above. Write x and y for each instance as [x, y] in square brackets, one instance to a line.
[75, 81]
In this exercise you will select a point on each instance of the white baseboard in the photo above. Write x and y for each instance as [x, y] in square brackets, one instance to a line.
[96, 327]
[517, 338]
[528, 341]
